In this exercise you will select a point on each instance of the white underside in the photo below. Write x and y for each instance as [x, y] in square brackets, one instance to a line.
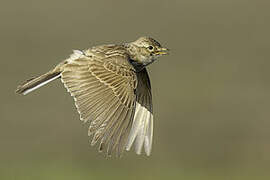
[141, 130]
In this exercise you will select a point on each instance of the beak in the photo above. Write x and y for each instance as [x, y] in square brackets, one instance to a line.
[163, 51]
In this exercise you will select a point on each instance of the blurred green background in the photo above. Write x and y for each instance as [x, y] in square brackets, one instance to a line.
[211, 94]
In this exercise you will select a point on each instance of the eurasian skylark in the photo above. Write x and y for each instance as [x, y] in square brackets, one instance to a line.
[111, 89]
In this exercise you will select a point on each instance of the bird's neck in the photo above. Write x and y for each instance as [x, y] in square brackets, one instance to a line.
[137, 66]
[133, 57]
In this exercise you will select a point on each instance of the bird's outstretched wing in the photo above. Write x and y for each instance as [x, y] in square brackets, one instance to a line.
[142, 127]
[104, 94]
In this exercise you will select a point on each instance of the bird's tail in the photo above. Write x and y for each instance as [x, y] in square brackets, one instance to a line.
[36, 82]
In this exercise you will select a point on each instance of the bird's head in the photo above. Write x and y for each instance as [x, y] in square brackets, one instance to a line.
[146, 50]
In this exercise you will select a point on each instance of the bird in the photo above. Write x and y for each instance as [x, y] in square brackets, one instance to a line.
[112, 92]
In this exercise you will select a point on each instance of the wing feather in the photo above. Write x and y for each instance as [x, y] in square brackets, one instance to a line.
[104, 96]
[141, 133]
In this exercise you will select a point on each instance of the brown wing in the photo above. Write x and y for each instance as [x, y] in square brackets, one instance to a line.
[103, 91]
[142, 127]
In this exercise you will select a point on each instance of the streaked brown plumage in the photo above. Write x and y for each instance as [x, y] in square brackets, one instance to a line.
[111, 89]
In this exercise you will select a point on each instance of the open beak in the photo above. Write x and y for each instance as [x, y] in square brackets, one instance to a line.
[163, 51]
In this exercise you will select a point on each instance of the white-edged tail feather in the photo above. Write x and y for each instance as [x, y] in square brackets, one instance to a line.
[35, 83]
[39, 85]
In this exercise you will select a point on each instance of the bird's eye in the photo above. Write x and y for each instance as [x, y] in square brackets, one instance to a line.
[150, 47]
